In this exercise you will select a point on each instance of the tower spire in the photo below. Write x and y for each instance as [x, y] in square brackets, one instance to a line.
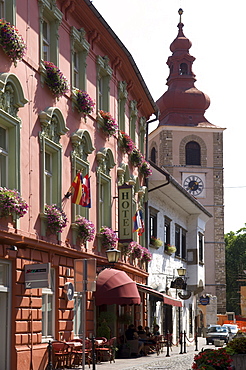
[180, 14]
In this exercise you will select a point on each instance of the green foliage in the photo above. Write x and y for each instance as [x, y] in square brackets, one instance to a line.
[237, 346]
[235, 261]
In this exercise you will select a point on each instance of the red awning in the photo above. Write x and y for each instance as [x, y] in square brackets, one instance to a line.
[166, 298]
[116, 287]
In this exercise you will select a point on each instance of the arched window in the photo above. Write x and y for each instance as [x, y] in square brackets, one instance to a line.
[153, 155]
[193, 153]
[183, 69]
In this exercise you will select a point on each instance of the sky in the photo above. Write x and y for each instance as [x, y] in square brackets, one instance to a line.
[216, 29]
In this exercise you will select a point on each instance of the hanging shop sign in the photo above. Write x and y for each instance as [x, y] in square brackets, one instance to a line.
[178, 283]
[204, 300]
[37, 275]
[125, 213]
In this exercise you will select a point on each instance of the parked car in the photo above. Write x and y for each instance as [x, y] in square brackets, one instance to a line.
[218, 332]
[233, 328]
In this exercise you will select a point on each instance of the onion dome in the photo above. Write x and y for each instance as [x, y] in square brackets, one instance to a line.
[182, 104]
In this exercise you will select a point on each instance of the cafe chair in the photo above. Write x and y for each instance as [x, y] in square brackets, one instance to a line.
[61, 354]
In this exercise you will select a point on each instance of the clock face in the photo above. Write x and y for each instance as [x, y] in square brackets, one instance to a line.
[193, 184]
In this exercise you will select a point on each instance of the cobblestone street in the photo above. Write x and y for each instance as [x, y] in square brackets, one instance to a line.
[176, 361]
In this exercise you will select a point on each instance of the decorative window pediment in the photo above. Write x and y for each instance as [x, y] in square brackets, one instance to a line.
[11, 94]
[82, 144]
[105, 160]
[53, 124]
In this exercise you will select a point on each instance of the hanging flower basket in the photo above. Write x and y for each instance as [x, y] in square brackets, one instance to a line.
[11, 203]
[126, 143]
[56, 218]
[11, 41]
[109, 237]
[109, 125]
[136, 157]
[145, 169]
[84, 103]
[156, 242]
[55, 80]
[146, 255]
[170, 249]
[86, 229]
[136, 249]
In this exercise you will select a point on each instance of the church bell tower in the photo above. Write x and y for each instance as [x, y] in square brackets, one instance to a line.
[190, 148]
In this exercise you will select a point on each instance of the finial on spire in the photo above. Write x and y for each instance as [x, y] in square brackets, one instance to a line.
[180, 13]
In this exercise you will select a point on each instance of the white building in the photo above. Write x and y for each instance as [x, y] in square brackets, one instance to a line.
[179, 220]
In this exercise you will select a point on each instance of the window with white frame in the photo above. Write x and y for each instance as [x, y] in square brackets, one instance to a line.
[77, 312]
[50, 19]
[201, 246]
[152, 223]
[177, 241]
[79, 51]
[167, 231]
[48, 309]
[180, 242]
[104, 73]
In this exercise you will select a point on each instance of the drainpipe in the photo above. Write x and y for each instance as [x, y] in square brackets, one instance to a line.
[147, 180]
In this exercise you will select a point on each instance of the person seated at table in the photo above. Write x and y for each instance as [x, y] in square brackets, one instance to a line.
[147, 332]
[156, 330]
[131, 334]
[141, 332]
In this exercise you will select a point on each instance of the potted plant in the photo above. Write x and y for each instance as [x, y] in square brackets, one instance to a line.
[55, 80]
[212, 359]
[237, 349]
[109, 237]
[156, 242]
[136, 249]
[108, 123]
[146, 255]
[11, 41]
[11, 203]
[86, 229]
[126, 143]
[56, 219]
[136, 157]
[170, 249]
[145, 169]
[83, 102]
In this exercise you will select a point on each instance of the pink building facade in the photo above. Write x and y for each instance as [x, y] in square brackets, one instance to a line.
[44, 142]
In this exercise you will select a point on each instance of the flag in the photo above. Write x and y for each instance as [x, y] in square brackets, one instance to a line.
[138, 222]
[86, 197]
[76, 189]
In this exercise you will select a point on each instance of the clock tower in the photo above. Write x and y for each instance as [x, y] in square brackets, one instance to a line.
[191, 149]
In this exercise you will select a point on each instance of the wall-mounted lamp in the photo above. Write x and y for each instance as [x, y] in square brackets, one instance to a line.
[181, 271]
[113, 255]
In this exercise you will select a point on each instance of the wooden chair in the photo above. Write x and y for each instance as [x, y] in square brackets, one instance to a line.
[107, 349]
[77, 352]
[61, 354]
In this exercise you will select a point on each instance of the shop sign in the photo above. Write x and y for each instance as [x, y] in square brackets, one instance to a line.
[37, 275]
[125, 213]
[204, 300]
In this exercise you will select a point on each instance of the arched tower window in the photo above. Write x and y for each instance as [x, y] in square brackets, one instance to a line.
[193, 153]
[153, 155]
[183, 69]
